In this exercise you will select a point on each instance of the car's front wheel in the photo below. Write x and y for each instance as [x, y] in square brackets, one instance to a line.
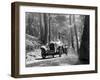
[43, 56]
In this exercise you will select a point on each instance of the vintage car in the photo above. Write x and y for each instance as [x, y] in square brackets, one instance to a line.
[51, 49]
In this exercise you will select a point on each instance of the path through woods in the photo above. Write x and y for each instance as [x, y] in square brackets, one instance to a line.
[70, 59]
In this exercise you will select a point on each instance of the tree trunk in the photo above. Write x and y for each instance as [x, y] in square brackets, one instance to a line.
[44, 21]
[84, 47]
[71, 31]
[76, 36]
[42, 28]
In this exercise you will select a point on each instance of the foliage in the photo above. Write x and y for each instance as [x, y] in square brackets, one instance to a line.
[46, 27]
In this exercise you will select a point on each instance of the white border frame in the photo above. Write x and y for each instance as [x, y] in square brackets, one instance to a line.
[72, 68]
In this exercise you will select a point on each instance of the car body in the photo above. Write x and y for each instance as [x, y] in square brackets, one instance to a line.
[53, 50]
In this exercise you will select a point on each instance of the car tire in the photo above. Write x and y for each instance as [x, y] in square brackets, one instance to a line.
[43, 56]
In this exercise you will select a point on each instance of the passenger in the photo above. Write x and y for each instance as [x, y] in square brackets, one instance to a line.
[52, 46]
[59, 43]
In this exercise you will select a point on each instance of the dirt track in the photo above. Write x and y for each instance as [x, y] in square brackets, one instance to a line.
[70, 59]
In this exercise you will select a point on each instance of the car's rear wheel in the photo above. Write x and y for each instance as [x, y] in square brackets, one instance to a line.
[53, 56]
[59, 55]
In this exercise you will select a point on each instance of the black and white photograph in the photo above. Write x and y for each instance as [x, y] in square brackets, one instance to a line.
[53, 39]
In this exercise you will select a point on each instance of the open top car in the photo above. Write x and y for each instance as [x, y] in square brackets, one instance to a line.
[53, 48]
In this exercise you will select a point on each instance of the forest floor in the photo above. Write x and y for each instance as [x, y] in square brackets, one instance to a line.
[36, 60]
